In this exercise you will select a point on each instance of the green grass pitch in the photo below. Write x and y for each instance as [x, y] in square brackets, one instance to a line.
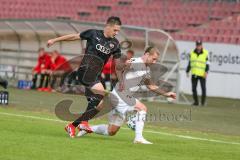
[30, 130]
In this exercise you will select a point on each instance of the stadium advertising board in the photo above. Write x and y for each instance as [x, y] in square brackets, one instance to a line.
[222, 57]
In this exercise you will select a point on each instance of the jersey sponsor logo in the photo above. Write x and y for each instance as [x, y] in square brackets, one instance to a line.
[98, 38]
[111, 45]
[102, 49]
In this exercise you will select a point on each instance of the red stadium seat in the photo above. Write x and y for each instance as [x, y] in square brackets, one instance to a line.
[234, 40]
[171, 15]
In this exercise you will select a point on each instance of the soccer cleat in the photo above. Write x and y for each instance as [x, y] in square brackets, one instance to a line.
[49, 89]
[70, 129]
[194, 104]
[141, 141]
[82, 133]
[85, 126]
[40, 89]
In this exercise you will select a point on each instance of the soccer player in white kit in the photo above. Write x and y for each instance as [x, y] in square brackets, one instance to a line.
[136, 72]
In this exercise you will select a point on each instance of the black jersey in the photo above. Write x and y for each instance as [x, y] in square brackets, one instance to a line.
[99, 45]
[98, 50]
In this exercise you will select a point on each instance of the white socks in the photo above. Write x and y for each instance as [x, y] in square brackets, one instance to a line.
[100, 129]
[140, 118]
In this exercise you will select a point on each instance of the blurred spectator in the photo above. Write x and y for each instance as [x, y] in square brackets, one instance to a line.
[3, 83]
[42, 68]
[199, 66]
[130, 54]
[59, 68]
[57, 60]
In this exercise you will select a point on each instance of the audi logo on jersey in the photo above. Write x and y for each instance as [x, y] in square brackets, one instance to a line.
[102, 49]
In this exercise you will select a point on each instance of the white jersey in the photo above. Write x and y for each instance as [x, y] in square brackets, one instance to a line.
[134, 76]
[123, 101]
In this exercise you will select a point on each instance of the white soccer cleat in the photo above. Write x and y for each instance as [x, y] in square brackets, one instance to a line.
[82, 133]
[85, 126]
[141, 141]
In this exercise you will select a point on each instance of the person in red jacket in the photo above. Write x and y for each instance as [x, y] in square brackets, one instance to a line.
[59, 65]
[42, 67]
[108, 74]
[57, 60]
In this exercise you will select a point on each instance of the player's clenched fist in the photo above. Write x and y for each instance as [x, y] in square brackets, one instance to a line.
[50, 42]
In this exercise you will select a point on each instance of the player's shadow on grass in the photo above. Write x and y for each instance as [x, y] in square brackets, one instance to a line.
[63, 112]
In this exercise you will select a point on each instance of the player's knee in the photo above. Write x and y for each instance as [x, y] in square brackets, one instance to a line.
[142, 107]
[112, 132]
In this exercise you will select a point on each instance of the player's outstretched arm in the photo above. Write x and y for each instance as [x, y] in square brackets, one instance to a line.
[151, 86]
[122, 64]
[69, 37]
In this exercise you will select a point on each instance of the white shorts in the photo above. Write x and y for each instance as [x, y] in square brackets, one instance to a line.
[123, 104]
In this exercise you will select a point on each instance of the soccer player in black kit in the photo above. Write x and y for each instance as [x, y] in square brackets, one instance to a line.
[101, 44]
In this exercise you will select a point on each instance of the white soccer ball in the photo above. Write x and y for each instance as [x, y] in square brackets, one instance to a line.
[170, 100]
[131, 123]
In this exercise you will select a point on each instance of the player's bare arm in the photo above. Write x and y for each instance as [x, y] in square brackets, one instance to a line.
[69, 37]
[154, 88]
[122, 64]
[119, 72]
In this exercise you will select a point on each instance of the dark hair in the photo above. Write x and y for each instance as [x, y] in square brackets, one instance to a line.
[114, 21]
[199, 42]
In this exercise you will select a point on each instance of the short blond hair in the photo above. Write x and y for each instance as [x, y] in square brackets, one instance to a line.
[151, 50]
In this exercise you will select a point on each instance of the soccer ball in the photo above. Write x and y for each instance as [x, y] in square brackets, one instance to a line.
[170, 100]
[131, 122]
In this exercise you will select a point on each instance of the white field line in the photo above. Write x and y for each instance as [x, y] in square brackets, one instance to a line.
[147, 131]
